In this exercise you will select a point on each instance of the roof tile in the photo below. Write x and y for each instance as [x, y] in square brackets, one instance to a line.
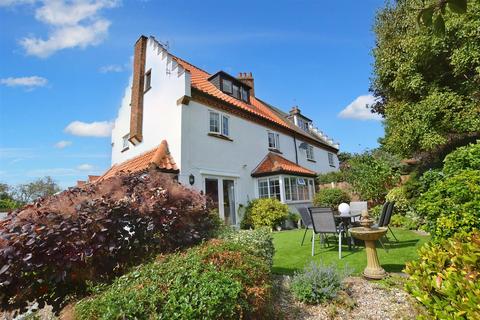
[275, 164]
[158, 157]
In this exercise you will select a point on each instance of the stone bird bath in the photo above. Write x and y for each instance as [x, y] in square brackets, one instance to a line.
[370, 235]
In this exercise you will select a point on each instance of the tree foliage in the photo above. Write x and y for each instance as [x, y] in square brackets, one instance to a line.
[428, 86]
[39, 188]
[372, 174]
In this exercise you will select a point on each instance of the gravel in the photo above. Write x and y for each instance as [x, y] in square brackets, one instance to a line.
[360, 299]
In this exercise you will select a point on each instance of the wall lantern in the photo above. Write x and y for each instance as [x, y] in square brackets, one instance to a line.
[191, 179]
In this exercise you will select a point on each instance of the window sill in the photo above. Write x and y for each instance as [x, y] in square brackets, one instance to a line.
[332, 166]
[311, 160]
[220, 136]
[146, 90]
[297, 201]
[275, 150]
[125, 149]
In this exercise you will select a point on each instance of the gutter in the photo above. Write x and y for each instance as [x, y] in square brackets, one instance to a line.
[295, 146]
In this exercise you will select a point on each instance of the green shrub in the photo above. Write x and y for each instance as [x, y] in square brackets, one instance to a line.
[408, 221]
[218, 280]
[463, 158]
[329, 177]
[446, 277]
[316, 283]
[258, 242]
[8, 204]
[397, 195]
[268, 212]
[330, 197]
[246, 222]
[372, 174]
[452, 205]
[376, 211]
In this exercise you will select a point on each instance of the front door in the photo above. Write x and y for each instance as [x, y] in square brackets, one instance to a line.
[222, 192]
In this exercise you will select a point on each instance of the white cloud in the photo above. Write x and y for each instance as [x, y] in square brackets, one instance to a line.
[111, 68]
[360, 109]
[73, 24]
[93, 129]
[62, 144]
[85, 167]
[29, 82]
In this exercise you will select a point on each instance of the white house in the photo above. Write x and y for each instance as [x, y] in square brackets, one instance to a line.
[215, 134]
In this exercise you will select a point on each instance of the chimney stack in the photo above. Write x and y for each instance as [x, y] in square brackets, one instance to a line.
[138, 88]
[247, 78]
[295, 110]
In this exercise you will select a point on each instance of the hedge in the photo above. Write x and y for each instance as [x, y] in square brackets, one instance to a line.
[50, 249]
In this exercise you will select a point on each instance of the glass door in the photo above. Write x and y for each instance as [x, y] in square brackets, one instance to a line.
[229, 202]
[222, 192]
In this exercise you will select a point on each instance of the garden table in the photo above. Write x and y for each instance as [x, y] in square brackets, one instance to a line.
[346, 221]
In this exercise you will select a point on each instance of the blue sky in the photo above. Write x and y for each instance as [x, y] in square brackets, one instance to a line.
[64, 67]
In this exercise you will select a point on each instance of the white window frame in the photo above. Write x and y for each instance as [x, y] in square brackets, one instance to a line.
[125, 141]
[269, 186]
[216, 128]
[310, 152]
[331, 161]
[276, 140]
[293, 194]
[223, 123]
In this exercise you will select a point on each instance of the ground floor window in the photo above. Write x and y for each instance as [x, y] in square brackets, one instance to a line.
[298, 189]
[269, 188]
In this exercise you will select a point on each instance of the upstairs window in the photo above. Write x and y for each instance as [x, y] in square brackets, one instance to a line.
[236, 91]
[330, 160]
[310, 155]
[302, 124]
[227, 86]
[214, 122]
[244, 94]
[148, 80]
[225, 131]
[125, 142]
[273, 141]
[219, 124]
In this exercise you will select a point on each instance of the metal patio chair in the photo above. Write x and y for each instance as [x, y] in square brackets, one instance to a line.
[306, 220]
[357, 207]
[323, 223]
[388, 217]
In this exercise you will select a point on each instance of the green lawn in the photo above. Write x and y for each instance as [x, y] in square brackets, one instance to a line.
[290, 256]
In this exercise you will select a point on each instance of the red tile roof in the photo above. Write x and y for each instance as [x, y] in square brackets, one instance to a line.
[158, 157]
[276, 164]
[199, 81]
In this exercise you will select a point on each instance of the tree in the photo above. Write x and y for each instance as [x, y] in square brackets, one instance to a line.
[372, 173]
[428, 87]
[39, 188]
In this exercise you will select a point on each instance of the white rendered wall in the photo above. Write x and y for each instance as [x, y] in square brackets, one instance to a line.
[162, 117]
[203, 155]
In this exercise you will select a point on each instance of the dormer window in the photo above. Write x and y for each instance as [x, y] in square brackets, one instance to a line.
[302, 124]
[232, 86]
[227, 86]
[244, 94]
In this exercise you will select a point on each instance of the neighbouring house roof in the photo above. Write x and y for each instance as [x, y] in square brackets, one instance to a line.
[200, 81]
[276, 164]
[92, 178]
[158, 158]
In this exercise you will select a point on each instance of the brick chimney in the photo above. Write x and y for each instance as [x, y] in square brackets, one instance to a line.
[247, 78]
[136, 113]
[295, 111]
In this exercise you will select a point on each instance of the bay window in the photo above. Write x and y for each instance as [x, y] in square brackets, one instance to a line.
[269, 188]
[299, 189]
